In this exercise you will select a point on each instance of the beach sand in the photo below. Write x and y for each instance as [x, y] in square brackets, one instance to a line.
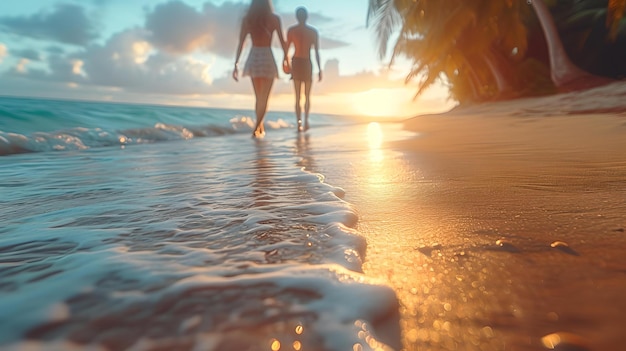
[495, 225]
[499, 224]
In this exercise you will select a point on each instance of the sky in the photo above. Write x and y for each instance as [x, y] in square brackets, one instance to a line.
[181, 52]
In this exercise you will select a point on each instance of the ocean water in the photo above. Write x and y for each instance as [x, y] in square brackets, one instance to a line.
[132, 227]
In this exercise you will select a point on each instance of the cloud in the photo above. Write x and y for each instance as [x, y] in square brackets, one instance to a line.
[328, 43]
[55, 49]
[176, 27]
[21, 66]
[225, 22]
[315, 18]
[128, 61]
[161, 57]
[66, 23]
[30, 54]
[3, 52]
[66, 69]
[318, 18]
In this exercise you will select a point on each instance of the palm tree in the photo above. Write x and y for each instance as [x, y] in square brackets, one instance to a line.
[456, 39]
[616, 11]
[460, 40]
[590, 30]
[564, 73]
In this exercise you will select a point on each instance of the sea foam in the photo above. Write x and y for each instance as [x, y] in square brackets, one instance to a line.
[219, 243]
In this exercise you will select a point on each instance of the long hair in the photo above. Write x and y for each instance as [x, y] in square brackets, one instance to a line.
[259, 12]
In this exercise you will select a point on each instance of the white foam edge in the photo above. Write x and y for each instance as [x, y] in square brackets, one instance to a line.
[347, 302]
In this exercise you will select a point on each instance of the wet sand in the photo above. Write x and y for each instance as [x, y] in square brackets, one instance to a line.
[499, 224]
[530, 183]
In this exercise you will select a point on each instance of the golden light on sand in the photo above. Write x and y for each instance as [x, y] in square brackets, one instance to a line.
[379, 167]
[375, 140]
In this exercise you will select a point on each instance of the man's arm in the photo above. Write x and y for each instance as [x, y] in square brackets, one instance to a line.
[316, 45]
[289, 40]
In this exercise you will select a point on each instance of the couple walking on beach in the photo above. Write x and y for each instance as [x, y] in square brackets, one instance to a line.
[260, 23]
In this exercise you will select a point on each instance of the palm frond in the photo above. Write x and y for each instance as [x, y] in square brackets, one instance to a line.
[441, 36]
[386, 20]
[372, 10]
[616, 11]
[430, 79]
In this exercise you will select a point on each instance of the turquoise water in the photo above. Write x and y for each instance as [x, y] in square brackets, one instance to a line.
[32, 125]
[143, 227]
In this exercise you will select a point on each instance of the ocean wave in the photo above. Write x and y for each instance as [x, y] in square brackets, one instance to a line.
[85, 138]
[38, 125]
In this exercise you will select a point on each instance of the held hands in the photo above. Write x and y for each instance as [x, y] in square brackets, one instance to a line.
[236, 73]
[320, 76]
[286, 66]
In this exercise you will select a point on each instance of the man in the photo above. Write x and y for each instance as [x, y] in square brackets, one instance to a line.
[303, 37]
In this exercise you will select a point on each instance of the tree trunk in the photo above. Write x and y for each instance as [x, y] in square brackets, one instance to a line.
[477, 82]
[501, 82]
[499, 72]
[564, 73]
[474, 84]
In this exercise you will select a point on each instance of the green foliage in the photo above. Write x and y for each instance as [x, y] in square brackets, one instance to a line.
[594, 34]
[479, 47]
[615, 13]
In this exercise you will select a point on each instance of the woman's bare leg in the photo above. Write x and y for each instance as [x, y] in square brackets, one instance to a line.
[262, 88]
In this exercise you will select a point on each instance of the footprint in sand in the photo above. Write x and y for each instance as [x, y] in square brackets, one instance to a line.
[563, 341]
[505, 245]
[428, 250]
[563, 246]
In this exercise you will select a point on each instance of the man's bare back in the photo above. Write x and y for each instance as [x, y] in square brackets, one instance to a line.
[303, 38]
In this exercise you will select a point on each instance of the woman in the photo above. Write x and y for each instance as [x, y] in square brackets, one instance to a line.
[261, 23]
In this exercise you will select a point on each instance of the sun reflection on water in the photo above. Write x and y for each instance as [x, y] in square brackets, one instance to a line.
[296, 342]
[275, 345]
[379, 168]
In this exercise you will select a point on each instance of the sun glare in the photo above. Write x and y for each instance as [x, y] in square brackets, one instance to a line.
[384, 102]
[379, 168]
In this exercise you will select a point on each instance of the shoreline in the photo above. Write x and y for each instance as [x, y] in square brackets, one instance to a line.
[499, 224]
[460, 218]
